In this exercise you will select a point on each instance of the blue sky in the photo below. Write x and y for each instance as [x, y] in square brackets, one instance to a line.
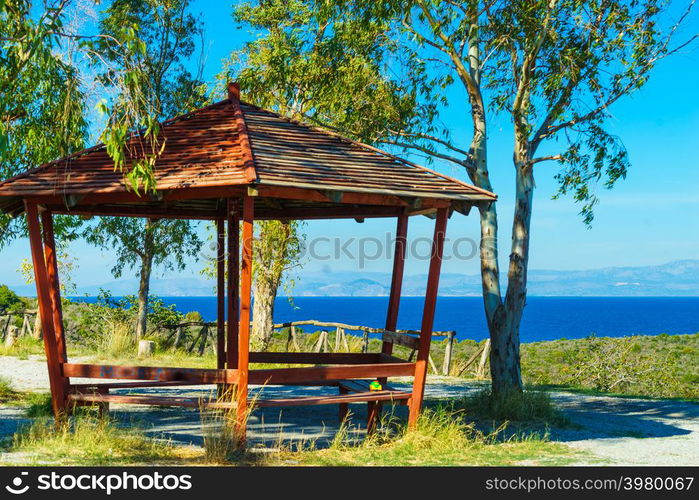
[651, 217]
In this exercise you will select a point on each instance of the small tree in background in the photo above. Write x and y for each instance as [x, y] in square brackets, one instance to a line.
[144, 245]
[276, 251]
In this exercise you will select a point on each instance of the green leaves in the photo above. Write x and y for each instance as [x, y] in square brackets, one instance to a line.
[343, 64]
[41, 102]
[561, 66]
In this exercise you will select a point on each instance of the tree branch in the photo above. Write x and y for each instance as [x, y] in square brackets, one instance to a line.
[461, 162]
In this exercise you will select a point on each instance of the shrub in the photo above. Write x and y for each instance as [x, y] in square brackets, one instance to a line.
[9, 300]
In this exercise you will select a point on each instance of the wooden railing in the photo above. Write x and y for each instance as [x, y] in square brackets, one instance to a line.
[406, 338]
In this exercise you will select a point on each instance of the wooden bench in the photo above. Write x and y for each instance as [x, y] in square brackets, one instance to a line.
[360, 387]
[351, 391]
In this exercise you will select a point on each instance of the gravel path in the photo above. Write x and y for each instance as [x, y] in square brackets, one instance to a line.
[611, 430]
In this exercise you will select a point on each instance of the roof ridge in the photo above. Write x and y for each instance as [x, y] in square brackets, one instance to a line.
[372, 148]
[243, 136]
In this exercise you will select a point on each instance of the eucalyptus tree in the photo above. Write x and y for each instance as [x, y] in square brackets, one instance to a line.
[380, 71]
[277, 250]
[558, 67]
[42, 114]
[143, 49]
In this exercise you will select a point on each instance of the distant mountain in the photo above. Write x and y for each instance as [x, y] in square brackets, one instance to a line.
[676, 278]
[672, 279]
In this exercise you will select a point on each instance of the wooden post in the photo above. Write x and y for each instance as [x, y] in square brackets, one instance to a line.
[365, 341]
[204, 339]
[37, 326]
[245, 313]
[372, 417]
[374, 411]
[428, 317]
[448, 350]
[56, 380]
[396, 280]
[5, 326]
[482, 365]
[343, 408]
[294, 339]
[54, 285]
[12, 336]
[220, 294]
[233, 286]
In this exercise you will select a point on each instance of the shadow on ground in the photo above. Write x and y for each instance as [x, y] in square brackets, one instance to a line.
[619, 430]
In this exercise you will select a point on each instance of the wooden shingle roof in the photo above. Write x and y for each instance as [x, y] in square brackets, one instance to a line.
[231, 144]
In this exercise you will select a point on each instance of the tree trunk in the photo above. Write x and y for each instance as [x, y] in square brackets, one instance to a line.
[144, 284]
[271, 258]
[505, 357]
[263, 309]
[502, 326]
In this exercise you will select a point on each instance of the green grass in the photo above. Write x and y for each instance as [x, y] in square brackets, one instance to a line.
[445, 436]
[93, 441]
[7, 392]
[23, 348]
[530, 408]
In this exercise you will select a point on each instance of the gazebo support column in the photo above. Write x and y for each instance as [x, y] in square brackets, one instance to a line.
[428, 317]
[233, 284]
[54, 285]
[245, 317]
[47, 312]
[396, 280]
[220, 294]
[374, 411]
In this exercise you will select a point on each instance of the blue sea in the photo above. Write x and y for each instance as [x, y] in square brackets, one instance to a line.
[545, 318]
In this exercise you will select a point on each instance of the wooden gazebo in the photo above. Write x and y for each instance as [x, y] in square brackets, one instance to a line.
[232, 163]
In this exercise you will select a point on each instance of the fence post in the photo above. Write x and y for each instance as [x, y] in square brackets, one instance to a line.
[365, 341]
[482, 366]
[3, 328]
[12, 336]
[446, 366]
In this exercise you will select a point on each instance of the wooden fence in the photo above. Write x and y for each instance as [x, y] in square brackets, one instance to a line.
[177, 337]
[9, 332]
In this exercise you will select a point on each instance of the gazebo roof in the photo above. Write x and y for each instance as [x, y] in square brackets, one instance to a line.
[220, 150]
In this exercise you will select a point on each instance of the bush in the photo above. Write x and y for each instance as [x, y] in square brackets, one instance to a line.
[616, 365]
[109, 325]
[655, 366]
[9, 300]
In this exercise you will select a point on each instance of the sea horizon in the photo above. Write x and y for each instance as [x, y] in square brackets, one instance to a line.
[545, 317]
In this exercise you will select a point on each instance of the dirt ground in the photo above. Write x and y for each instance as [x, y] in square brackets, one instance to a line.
[611, 430]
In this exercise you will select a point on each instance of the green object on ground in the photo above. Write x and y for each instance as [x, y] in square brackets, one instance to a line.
[375, 386]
